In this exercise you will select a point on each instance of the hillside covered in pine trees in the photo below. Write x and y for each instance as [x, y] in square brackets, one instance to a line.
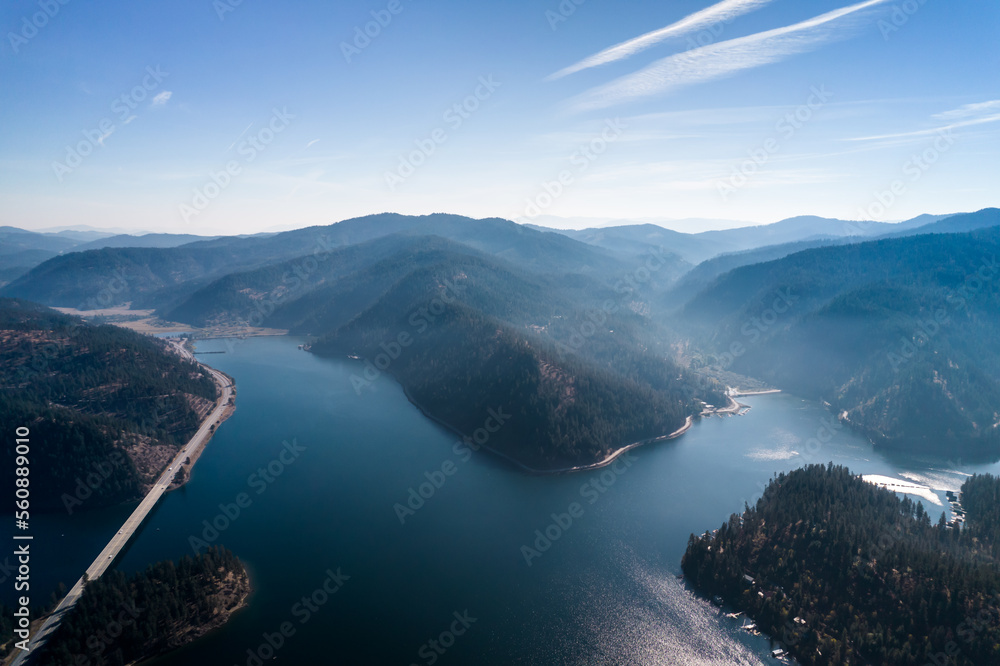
[160, 609]
[843, 572]
[108, 407]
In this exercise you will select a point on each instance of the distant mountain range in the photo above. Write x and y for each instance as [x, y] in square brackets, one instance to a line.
[898, 334]
[496, 315]
[587, 333]
[22, 250]
[554, 222]
[699, 247]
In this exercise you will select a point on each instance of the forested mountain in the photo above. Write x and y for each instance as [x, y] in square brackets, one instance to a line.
[15, 264]
[889, 332]
[579, 382]
[696, 248]
[21, 250]
[146, 277]
[635, 239]
[951, 224]
[13, 240]
[107, 406]
[843, 572]
[898, 333]
[151, 612]
[162, 277]
[310, 295]
[582, 369]
[313, 294]
[591, 380]
[702, 275]
[158, 271]
[142, 240]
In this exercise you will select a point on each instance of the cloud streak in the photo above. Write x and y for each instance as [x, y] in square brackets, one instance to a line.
[242, 134]
[930, 131]
[723, 59]
[722, 12]
[969, 110]
[162, 98]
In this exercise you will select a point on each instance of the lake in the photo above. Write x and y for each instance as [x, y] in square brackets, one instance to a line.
[431, 554]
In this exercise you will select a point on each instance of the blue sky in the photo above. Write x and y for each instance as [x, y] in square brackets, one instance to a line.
[216, 117]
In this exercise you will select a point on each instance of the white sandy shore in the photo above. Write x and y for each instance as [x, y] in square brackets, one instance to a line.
[906, 487]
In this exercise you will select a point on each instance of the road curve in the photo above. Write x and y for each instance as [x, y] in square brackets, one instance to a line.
[134, 522]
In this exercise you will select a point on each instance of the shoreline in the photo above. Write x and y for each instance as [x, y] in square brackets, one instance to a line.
[183, 345]
[733, 407]
[611, 457]
[134, 523]
[608, 460]
[194, 633]
[220, 378]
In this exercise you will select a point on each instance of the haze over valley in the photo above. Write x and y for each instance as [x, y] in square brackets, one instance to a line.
[568, 333]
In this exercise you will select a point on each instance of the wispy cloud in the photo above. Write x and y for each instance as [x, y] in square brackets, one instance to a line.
[162, 98]
[932, 130]
[969, 110]
[242, 134]
[978, 113]
[724, 59]
[722, 12]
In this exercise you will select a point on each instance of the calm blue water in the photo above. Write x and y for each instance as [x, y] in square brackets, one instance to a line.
[604, 592]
